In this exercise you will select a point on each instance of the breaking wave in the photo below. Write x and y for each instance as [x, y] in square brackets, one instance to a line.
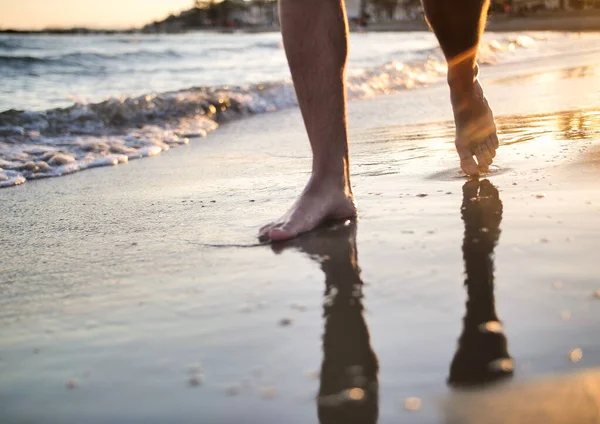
[55, 142]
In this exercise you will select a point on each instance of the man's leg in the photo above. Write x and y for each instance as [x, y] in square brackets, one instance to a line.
[315, 37]
[458, 25]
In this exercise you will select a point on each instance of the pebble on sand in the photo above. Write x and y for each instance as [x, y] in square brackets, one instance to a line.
[540, 195]
[575, 355]
[412, 404]
[286, 322]
[72, 383]
[195, 380]
[422, 195]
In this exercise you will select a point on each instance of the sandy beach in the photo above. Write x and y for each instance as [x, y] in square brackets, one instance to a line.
[139, 293]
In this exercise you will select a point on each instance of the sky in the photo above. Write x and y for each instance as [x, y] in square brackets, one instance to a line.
[39, 14]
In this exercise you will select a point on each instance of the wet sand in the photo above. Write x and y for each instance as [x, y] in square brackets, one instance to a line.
[137, 294]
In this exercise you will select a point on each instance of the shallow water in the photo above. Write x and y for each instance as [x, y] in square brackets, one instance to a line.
[140, 118]
[44, 72]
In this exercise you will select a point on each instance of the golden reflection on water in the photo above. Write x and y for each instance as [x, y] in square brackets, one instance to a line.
[547, 77]
[563, 125]
[573, 125]
[543, 137]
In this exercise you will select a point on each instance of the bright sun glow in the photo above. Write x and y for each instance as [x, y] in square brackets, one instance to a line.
[39, 14]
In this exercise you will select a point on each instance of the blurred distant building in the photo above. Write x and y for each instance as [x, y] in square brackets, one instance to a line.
[383, 10]
[220, 14]
[538, 5]
[508, 5]
[262, 13]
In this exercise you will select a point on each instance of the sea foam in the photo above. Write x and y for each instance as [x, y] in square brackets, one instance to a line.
[60, 141]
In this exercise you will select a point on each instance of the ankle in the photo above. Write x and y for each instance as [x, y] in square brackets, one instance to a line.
[331, 172]
[462, 79]
[329, 181]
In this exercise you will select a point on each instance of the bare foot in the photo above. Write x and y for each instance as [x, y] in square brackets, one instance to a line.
[475, 129]
[322, 199]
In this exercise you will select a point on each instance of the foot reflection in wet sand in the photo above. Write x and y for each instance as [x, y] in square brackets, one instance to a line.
[348, 392]
[482, 355]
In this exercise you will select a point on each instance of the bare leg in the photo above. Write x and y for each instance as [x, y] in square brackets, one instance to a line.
[458, 25]
[315, 37]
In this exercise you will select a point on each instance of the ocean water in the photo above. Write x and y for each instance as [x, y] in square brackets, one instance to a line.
[70, 103]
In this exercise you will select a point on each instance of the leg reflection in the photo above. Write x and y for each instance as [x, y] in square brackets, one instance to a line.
[348, 392]
[482, 355]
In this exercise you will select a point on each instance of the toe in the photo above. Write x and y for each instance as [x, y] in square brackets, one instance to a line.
[266, 228]
[490, 146]
[469, 166]
[483, 159]
[281, 233]
[467, 163]
[263, 233]
[487, 153]
[494, 140]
